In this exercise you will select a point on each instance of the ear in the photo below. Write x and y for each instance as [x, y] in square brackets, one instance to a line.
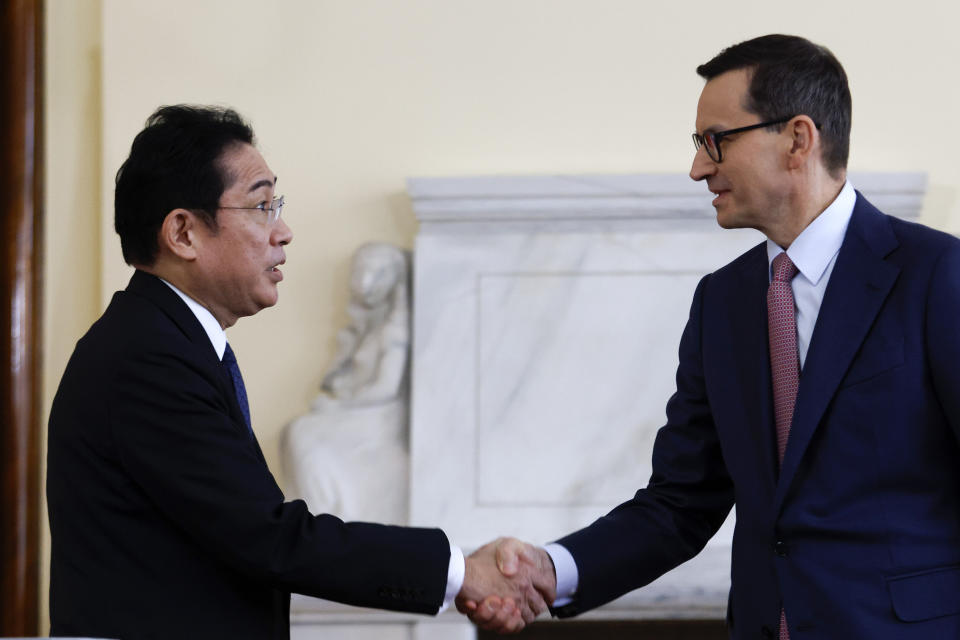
[178, 234]
[804, 139]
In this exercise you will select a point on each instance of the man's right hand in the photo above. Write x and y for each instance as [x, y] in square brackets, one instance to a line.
[507, 584]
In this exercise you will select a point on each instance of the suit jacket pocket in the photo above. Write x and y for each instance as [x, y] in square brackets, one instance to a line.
[875, 358]
[925, 595]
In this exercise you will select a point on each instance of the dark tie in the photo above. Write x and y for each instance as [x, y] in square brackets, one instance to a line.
[230, 362]
[784, 360]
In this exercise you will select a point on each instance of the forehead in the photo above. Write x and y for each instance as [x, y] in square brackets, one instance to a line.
[721, 101]
[245, 169]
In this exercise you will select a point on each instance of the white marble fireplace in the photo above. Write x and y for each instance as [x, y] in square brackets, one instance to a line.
[547, 314]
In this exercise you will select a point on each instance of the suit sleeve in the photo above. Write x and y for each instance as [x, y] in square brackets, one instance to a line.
[687, 499]
[943, 337]
[171, 424]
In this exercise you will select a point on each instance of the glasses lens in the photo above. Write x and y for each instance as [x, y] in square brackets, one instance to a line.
[708, 142]
[712, 149]
[276, 206]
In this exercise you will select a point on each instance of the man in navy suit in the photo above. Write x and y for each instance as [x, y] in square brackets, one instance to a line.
[818, 388]
[165, 520]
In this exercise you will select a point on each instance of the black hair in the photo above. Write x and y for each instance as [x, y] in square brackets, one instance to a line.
[174, 163]
[792, 76]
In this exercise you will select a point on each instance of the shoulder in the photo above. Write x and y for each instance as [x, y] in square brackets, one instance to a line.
[132, 323]
[918, 237]
[924, 259]
[136, 338]
[895, 234]
[149, 315]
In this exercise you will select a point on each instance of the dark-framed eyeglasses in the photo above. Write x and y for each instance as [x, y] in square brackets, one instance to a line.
[711, 139]
[273, 211]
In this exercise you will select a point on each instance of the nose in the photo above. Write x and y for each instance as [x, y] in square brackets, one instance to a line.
[281, 233]
[703, 165]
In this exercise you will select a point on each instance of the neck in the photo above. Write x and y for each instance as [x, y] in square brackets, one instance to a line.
[180, 278]
[805, 203]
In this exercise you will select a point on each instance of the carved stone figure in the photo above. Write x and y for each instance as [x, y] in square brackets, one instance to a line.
[348, 456]
[371, 361]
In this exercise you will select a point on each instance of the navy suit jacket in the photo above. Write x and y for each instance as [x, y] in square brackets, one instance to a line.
[165, 520]
[858, 534]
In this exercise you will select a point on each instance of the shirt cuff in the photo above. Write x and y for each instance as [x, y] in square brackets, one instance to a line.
[568, 578]
[455, 574]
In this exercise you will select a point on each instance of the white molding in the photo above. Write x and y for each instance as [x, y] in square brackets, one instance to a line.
[598, 197]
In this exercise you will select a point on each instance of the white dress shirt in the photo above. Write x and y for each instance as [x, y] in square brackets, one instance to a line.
[814, 252]
[218, 338]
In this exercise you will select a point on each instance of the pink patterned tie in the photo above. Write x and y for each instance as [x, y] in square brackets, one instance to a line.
[784, 360]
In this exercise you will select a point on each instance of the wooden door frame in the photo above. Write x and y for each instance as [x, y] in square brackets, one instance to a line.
[21, 266]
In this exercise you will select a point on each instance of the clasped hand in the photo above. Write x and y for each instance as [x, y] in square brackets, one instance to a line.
[507, 584]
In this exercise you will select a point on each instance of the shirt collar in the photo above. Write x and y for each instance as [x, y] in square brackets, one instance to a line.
[218, 338]
[816, 245]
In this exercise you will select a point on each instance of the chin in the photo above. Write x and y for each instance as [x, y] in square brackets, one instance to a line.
[729, 220]
[723, 219]
[268, 299]
[726, 224]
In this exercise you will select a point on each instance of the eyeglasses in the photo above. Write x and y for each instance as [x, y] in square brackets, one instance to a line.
[273, 211]
[711, 140]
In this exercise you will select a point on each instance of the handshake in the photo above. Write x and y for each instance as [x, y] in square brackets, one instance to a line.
[507, 584]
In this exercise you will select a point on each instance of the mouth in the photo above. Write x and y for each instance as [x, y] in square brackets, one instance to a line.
[720, 195]
[275, 270]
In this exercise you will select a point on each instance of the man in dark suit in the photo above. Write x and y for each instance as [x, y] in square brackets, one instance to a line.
[165, 520]
[817, 388]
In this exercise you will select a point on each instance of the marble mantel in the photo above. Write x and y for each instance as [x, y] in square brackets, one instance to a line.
[547, 311]
[547, 314]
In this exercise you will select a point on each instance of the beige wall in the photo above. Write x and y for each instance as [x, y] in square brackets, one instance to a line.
[72, 200]
[348, 98]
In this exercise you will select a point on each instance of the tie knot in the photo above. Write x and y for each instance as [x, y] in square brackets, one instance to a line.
[228, 357]
[783, 268]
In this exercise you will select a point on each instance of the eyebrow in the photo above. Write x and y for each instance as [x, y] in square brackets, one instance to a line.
[262, 183]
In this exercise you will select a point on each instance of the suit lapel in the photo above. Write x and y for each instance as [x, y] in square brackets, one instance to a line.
[749, 349]
[859, 284]
[152, 288]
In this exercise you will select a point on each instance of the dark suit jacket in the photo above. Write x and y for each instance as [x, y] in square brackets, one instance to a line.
[859, 534]
[166, 522]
